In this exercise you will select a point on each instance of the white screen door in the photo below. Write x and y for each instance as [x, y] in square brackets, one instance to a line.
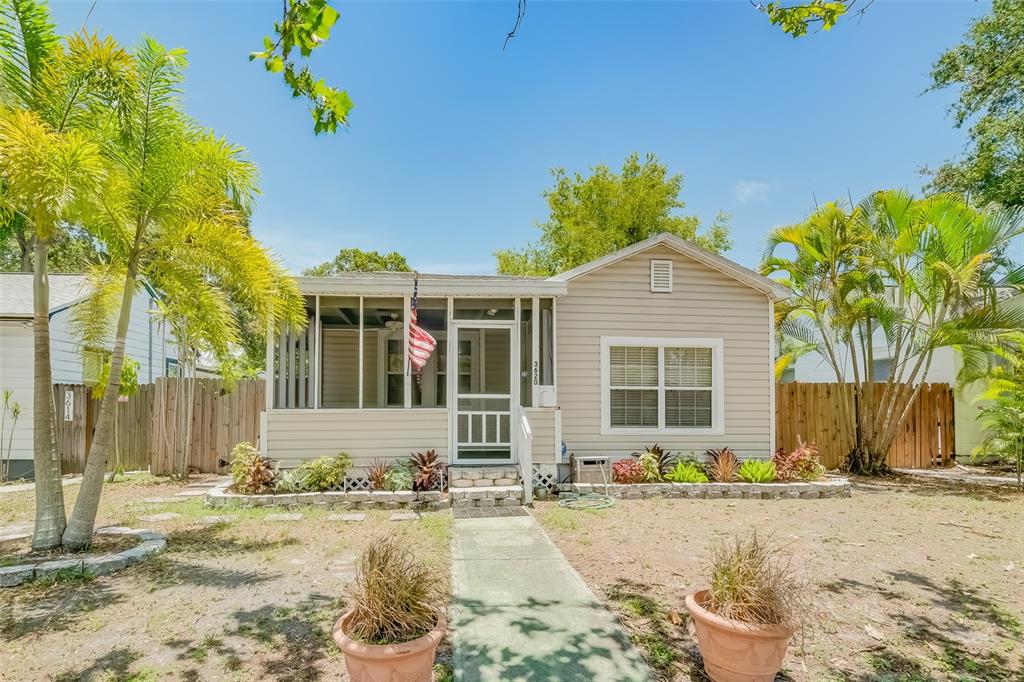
[483, 378]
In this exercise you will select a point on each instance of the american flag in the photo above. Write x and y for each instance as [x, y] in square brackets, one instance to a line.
[421, 343]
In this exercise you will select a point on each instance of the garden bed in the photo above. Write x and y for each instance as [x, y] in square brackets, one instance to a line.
[146, 543]
[830, 487]
[427, 500]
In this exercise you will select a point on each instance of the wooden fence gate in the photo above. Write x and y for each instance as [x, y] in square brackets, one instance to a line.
[155, 428]
[812, 411]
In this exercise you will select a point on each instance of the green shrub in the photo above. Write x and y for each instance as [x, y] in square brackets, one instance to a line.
[251, 472]
[326, 473]
[757, 471]
[686, 472]
[657, 458]
[649, 466]
[290, 481]
[398, 477]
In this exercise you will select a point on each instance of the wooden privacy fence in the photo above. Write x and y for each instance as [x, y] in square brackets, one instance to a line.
[812, 411]
[77, 412]
[155, 428]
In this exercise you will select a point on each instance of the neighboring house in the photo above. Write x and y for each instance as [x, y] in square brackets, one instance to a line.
[148, 343]
[945, 366]
[661, 342]
[969, 433]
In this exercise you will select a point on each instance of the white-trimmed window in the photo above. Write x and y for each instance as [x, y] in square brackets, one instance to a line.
[661, 385]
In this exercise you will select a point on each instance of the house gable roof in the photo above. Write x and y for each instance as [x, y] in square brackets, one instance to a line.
[771, 288]
[66, 290]
[16, 292]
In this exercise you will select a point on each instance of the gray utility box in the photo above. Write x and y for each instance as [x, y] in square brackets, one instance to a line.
[592, 469]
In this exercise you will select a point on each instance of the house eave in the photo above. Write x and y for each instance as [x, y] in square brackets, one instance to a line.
[401, 284]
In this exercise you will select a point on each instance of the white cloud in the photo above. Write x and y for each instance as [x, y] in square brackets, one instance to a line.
[746, 191]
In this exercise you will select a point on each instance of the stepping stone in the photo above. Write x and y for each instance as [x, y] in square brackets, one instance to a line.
[404, 516]
[283, 517]
[216, 518]
[9, 537]
[192, 492]
[165, 516]
[162, 500]
[347, 518]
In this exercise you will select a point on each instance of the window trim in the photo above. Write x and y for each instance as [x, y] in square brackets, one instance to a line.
[717, 346]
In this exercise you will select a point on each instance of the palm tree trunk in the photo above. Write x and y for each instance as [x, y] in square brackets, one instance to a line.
[50, 516]
[83, 518]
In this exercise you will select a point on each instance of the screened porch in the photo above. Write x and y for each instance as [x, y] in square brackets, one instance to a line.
[494, 358]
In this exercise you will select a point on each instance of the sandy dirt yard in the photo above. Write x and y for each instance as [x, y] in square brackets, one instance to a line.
[246, 599]
[911, 581]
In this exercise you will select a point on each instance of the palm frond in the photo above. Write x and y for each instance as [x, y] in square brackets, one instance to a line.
[28, 40]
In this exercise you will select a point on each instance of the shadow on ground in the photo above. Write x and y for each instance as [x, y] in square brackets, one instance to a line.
[955, 644]
[476, 661]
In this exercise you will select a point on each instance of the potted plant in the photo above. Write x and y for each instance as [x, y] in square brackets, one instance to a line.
[397, 617]
[743, 622]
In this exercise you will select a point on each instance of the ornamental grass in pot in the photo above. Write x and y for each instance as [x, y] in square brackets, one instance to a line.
[745, 619]
[396, 619]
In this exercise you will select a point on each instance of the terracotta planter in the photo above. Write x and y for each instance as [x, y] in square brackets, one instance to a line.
[735, 651]
[406, 662]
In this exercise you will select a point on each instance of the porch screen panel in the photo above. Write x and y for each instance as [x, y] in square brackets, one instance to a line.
[633, 381]
[688, 387]
[339, 356]
[429, 385]
[383, 352]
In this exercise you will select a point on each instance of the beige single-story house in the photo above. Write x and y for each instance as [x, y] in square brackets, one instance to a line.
[661, 342]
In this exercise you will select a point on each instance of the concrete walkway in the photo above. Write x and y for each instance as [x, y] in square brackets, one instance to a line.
[959, 474]
[521, 612]
[25, 487]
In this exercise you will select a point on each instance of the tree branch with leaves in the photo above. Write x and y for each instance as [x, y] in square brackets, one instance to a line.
[304, 26]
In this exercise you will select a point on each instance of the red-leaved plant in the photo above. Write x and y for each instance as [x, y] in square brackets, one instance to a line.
[801, 464]
[427, 470]
[627, 471]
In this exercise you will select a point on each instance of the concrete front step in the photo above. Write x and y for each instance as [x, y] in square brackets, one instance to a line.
[487, 496]
[482, 476]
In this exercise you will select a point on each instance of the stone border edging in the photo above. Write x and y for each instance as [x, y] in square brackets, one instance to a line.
[430, 500]
[832, 487]
[89, 564]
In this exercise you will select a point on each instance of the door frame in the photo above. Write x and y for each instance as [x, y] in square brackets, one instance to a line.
[454, 327]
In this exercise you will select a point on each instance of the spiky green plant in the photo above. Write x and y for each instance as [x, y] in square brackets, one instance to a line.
[757, 471]
[686, 472]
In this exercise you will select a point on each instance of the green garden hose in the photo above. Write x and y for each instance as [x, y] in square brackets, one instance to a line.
[590, 500]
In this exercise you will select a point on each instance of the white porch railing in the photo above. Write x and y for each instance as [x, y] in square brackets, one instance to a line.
[524, 453]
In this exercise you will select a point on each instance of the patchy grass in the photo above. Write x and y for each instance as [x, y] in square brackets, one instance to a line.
[242, 600]
[651, 627]
[912, 581]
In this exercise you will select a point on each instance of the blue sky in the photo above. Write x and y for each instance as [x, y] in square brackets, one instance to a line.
[452, 139]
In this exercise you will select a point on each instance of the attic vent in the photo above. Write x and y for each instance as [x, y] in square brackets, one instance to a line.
[661, 276]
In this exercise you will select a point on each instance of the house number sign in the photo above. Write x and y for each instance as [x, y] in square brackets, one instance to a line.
[69, 406]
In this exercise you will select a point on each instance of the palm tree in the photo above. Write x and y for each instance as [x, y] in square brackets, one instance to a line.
[49, 168]
[921, 274]
[176, 200]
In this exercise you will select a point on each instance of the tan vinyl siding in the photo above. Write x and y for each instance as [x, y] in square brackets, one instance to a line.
[297, 435]
[616, 301]
[542, 423]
